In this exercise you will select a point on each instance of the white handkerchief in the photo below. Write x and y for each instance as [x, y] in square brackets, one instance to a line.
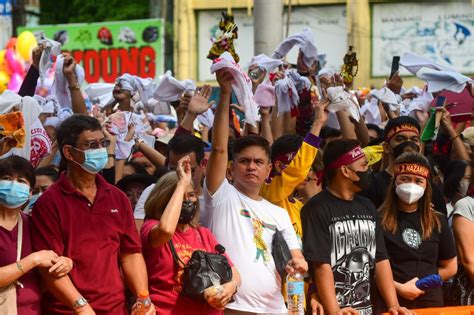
[123, 149]
[286, 94]
[51, 51]
[60, 86]
[342, 100]
[169, 89]
[413, 63]
[242, 86]
[306, 43]
[206, 118]
[132, 83]
[385, 95]
[101, 93]
[371, 112]
[439, 80]
[265, 62]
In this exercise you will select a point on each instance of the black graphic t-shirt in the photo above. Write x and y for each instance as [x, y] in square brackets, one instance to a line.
[346, 235]
[411, 256]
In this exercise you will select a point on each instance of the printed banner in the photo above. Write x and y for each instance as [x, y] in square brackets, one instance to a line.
[108, 49]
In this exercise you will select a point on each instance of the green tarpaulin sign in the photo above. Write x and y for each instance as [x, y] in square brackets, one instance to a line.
[108, 49]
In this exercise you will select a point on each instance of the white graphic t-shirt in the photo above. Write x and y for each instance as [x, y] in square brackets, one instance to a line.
[245, 227]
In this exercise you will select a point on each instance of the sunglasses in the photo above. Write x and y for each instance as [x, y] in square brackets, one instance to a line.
[97, 144]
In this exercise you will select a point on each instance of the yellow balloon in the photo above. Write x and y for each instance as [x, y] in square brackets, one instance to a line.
[25, 44]
[2, 57]
[4, 79]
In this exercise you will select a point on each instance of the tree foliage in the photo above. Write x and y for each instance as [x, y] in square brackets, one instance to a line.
[86, 11]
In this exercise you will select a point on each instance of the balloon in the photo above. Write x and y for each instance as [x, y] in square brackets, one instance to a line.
[4, 79]
[14, 65]
[11, 43]
[2, 56]
[15, 82]
[25, 44]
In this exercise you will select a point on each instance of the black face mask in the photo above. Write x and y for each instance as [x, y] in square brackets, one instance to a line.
[365, 178]
[188, 211]
[407, 146]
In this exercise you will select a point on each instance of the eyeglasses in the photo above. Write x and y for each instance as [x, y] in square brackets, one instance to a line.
[97, 144]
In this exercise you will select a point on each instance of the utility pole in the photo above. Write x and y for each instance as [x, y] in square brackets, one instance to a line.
[18, 15]
[267, 25]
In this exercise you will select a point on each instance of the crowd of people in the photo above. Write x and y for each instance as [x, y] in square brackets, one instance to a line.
[105, 198]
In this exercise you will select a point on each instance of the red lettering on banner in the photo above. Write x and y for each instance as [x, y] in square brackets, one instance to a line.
[147, 62]
[92, 65]
[107, 64]
[77, 55]
[129, 61]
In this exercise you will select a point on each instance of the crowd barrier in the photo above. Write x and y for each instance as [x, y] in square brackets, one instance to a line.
[452, 310]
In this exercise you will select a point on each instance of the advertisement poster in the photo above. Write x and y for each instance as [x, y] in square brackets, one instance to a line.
[442, 32]
[108, 49]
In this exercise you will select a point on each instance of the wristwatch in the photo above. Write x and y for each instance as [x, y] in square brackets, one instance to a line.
[80, 302]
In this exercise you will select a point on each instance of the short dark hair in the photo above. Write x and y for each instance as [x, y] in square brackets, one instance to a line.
[401, 120]
[17, 165]
[328, 132]
[183, 144]
[334, 150]
[144, 179]
[375, 128]
[139, 169]
[453, 175]
[413, 157]
[245, 142]
[70, 129]
[286, 144]
[49, 171]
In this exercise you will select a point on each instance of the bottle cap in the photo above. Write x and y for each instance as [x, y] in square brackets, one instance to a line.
[143, 294]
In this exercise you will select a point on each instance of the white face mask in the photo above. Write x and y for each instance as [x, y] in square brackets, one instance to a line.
[409, 192]
[463, 187]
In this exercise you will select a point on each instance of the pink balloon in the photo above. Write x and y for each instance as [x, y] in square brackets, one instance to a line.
[13, 63]
[15, 82]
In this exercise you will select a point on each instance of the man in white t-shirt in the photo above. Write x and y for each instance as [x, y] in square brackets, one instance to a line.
[242, 221]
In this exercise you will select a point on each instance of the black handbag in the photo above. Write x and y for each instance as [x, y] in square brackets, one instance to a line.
[280, 252]
[203, 270]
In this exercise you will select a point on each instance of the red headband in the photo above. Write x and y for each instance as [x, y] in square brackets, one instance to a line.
[285, 157]
[412, 169]
[401, 128]
[347, 158]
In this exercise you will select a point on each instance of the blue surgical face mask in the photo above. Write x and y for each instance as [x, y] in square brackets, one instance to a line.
[13, 194]
[33, 200]
[94, 160]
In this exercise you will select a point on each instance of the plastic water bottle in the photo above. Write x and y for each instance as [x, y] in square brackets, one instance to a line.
[143, 303]
[295, 294]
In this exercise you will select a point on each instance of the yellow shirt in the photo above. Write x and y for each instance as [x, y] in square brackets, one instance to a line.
[280, 189]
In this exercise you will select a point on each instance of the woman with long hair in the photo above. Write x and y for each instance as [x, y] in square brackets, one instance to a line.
[172, 213]
[19, 288]
[418, 239]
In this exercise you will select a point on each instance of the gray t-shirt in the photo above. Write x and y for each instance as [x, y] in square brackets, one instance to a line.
[465, 208]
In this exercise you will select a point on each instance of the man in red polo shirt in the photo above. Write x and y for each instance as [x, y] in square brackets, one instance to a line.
[83, 217]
